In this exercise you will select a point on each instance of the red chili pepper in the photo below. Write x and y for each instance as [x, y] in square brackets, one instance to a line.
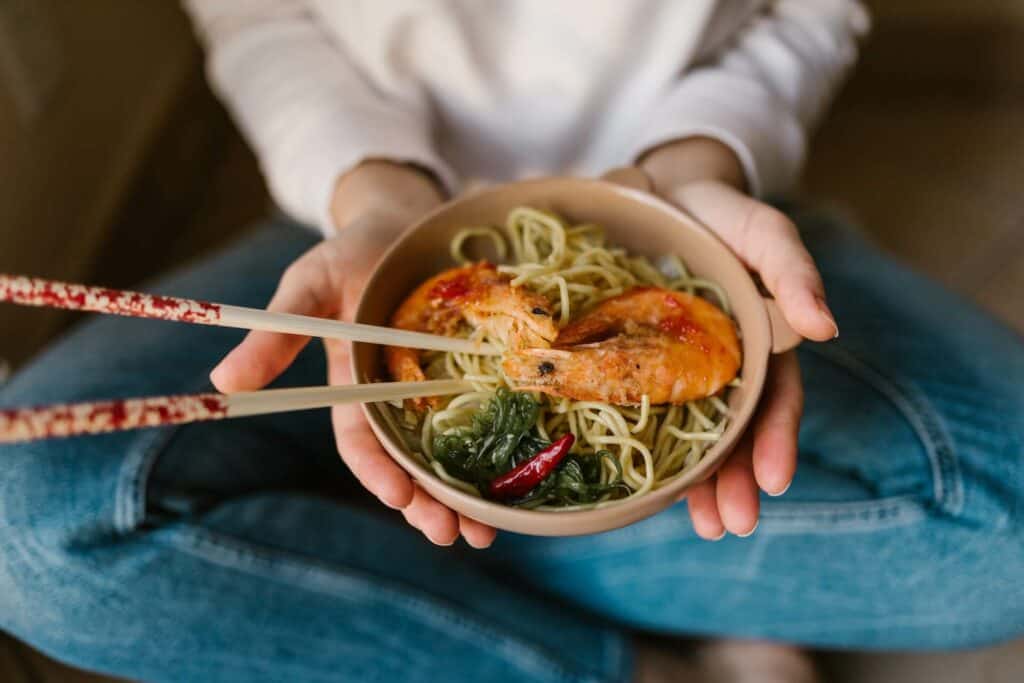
[521, 479]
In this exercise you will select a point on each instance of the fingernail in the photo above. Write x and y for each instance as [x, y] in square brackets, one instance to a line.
[776, 495]
[756, 524]
[823, 307]
[443, 545]
[719, 537]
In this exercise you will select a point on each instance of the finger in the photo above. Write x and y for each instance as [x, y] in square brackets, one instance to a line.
[439, 524]
[768, 242]
[357, 444]
[368, 461]
[704, 511]
[736, 492]
[777, 425]
[305, 289]
[477, 534]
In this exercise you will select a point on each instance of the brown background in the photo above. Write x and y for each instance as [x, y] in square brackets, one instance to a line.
[118, 163]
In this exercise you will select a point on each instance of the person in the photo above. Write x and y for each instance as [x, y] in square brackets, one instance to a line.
[245, 550]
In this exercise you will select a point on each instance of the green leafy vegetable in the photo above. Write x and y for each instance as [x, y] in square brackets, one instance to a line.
[502, 435]
[577, 481]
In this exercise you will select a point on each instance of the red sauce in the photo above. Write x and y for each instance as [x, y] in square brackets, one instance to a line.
[453, 288]
[680, 327]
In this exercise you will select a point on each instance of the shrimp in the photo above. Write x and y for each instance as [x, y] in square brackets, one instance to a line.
[478, 295]
[672, 346]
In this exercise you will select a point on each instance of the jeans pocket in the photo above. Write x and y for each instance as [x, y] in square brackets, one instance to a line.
[873, 451]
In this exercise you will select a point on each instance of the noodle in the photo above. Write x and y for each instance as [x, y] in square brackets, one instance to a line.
[574, 268]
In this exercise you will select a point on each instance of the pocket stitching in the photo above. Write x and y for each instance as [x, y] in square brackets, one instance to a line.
[947, 482]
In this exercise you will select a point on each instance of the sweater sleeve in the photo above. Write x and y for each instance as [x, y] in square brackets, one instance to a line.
[305, 107]
[764, 90]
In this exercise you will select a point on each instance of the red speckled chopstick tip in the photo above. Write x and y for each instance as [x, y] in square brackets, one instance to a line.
[30, 424]
[39, 292]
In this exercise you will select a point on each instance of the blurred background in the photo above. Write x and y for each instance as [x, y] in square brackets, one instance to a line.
[118, 163]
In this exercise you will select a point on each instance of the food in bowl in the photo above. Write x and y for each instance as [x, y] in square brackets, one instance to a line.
[613, 380]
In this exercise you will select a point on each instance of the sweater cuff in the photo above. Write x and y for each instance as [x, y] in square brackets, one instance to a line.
[769, 142]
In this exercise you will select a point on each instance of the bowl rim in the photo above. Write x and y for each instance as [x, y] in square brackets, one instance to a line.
[517, 518]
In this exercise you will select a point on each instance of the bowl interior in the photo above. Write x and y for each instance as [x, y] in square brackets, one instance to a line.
[632, 219]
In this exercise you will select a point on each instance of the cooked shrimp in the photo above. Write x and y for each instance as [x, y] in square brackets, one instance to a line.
[672, 346]
[477, 295]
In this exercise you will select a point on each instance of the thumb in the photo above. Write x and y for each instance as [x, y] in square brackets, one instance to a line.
[769, 243]
[306, 288]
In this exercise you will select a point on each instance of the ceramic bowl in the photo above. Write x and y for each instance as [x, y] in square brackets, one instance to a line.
[634, 219]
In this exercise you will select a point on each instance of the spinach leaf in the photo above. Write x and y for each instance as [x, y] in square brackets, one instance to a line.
[501, 436]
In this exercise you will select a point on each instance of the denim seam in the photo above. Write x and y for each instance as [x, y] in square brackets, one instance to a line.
[777, 517]
[129, 505]
[130, 501]
[851, 506]
[946, 478]
[253, 559]
[869, 515]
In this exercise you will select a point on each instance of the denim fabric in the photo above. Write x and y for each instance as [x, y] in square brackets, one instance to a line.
[243, 550]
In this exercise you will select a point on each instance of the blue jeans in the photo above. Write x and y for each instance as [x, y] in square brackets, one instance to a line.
[244, 550]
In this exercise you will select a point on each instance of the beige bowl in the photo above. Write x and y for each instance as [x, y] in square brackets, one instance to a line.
[634, 219]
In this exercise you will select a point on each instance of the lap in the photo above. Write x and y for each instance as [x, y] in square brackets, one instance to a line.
[910, 461]
[919, 397]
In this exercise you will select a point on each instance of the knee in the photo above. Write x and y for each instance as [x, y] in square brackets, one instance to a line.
[28, 525]
[47, 514]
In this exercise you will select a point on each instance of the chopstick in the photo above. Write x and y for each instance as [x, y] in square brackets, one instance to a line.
[99, 417]
[27, 291]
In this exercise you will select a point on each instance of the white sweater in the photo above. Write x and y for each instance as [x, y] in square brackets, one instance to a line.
[502, 89]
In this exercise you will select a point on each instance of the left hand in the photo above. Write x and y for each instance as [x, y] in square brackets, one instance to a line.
[705, 178]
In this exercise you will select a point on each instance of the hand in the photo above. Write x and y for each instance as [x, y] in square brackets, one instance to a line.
[372, 204]
[703, 177]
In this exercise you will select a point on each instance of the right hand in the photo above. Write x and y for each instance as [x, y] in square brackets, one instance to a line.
[372, 205]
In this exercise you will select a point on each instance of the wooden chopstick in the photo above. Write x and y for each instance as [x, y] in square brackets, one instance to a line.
[28, 291]
[72, 419]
